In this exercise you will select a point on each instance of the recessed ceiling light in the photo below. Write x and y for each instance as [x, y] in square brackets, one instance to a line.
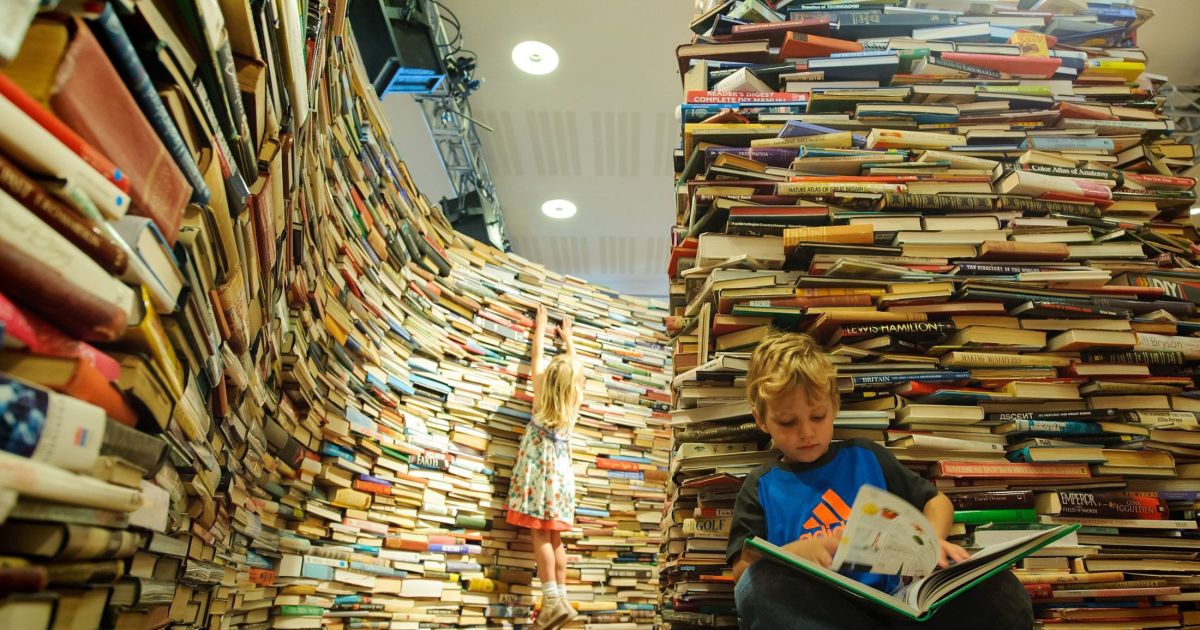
[535, 57]
[558, 209]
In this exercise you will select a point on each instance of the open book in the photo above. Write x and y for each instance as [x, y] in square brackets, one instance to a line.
[886, 534]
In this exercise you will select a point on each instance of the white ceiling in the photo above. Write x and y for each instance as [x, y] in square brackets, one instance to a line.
[599, 130]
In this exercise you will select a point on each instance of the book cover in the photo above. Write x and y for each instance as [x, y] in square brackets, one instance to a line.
[117, 127]
[885, 532]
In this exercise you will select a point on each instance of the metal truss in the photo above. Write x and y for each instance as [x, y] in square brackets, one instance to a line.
[1183, 106]
[447, 113]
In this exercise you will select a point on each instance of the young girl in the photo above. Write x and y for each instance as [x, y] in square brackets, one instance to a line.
[541, 495]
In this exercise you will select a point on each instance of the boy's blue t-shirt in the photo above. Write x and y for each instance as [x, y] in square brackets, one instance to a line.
[783, 502]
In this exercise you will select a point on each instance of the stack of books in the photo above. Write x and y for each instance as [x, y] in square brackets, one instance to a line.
[250, 377]
[979, 210]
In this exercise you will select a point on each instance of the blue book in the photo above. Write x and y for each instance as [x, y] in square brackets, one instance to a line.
[1056, 427]
[864, 53]
[795, 128]
[400, 385]
[632, 458]
[932, 376]
[877, 68]
[1052, 143]
[116, 41]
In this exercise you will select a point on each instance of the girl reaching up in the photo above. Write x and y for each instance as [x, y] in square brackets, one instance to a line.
[541, 494]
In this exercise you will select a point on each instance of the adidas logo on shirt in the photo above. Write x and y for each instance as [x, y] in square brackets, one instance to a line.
[828, 516]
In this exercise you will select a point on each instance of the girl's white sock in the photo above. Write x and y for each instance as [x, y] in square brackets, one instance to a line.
[549, 592]
[562, 591]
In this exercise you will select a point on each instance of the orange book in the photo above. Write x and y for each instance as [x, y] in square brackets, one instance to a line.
[807, 45]
[1015, 470]
[862, 234]
[1025, 67]
[73, 376]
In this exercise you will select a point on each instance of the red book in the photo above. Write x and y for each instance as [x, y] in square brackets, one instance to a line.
[75, 377]
[65, 135]
[1017, 66]
[90, 96]
[797, 45]
[1039, 591]
[41, 288]
[777, 211]
[617, 464]
[1164, 182]
[881, 179]
[775, 32]
[1089, 111]
[1016, 470]
[32, 334]
[715, 97]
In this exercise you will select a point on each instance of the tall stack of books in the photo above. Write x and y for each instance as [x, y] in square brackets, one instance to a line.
[250, 377]
[979, 211]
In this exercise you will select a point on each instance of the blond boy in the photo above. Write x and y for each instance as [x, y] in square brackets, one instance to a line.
[801, 499]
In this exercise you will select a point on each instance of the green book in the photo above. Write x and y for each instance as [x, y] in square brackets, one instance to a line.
[301, 611]
[1005, 516]
[922, 597]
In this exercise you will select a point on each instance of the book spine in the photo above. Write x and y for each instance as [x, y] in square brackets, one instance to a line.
[1043, 206]
[828, 188]
[140, 449]
[1056, 427]
[237, 111]
[987, 73]
[94, 572]
[1039, 416]
[919, 377]
[130, 66]
[708, 434]
[1016, 499]
[1119, 505]
[936, 202]
[29, 579]
[997, 515]
[1062, 171]
[236, 191]
[81, 232]
[900, 328]
[1011, 469]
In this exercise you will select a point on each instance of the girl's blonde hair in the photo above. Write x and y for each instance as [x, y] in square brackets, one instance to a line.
[559, 398]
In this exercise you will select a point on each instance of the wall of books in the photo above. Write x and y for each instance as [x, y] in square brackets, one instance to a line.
[249, 377]
[977, 207]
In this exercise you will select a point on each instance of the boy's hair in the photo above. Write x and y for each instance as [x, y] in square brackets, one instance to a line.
[559, 398]
[783, 361]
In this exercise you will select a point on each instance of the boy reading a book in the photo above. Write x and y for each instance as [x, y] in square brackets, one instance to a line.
[800, 500]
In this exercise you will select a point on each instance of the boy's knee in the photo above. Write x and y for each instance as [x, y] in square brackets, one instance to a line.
[1000, 603]
[1012, 601]
[760, 583]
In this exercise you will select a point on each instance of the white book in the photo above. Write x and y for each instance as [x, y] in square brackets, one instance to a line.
[71, 430]
[28, 235]
[292, 42]
[43, 481]
[37, 149]
[13, 28]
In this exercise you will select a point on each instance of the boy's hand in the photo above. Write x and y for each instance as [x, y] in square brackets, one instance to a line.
[817, 549]
[950, 553]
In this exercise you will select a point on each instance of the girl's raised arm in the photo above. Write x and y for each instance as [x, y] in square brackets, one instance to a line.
[535, 360]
